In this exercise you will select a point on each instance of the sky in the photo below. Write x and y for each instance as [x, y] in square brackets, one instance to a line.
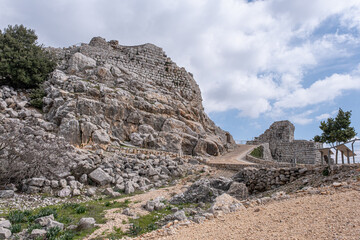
[256, 62]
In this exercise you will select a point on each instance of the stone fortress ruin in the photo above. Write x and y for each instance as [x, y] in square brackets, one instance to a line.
[283, 146]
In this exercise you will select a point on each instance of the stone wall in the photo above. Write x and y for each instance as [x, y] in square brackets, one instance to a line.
[283, 147]
[263, 179]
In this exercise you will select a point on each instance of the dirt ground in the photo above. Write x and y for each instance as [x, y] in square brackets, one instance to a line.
[335, 215]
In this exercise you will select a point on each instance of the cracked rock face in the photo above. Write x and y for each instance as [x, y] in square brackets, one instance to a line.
[103, 93]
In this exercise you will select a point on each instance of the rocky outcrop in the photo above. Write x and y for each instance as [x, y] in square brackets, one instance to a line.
[207, 190]
[103, 93]
[102, 101]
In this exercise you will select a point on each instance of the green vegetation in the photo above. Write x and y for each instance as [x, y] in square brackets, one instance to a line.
[23, 63]
[68, 214]
[257, 152]
[326, 172]
[16, 228]
[336, 130]
[36, 97]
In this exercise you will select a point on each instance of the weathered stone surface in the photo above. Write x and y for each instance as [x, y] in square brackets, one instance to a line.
[44, 221]
[149, 101]
[226, 204]
[38, 234]
[100, 177]
[110, 192]
[86, 223]
[203, 190]
[53, 224]
[100, 136]
[4, 233]
[80, 62]
[156, 204]
[6, 193]
[5, 224]
[283, 147]
[65, 192]
[179, 215]
[238, 190]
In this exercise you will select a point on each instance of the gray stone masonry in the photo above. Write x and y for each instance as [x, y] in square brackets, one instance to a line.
[283, 147]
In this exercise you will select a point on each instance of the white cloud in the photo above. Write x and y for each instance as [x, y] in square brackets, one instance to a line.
[246, 56]
[323, 116]
[321, 91]
[302, 118]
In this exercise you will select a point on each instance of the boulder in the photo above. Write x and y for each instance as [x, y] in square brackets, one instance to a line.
[80, 62]
[101, 137]
[5, 224]
[38, 234]
[238, 190]
[86, 223]
[110, 192]
[100, 177]
[156, 204]
[44, 221]
[179, 215]
[226, 204]
[53, 224]
[203, 190]
[4, 233]
[65, 192]
[6, 193]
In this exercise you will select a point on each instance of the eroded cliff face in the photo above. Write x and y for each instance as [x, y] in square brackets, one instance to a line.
[105, 94]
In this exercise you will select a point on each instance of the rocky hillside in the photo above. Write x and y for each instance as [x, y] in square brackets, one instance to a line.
[102, 100]
[103, 93]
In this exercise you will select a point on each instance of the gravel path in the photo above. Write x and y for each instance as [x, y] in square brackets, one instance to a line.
[235, 157]
[335, 215]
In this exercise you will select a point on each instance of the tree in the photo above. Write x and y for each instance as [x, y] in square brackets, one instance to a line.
[23, 63]
[336, 130]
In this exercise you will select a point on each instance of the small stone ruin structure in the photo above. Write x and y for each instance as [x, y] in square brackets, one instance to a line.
[283, 146]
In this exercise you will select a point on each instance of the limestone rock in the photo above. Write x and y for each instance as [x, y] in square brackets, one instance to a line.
[5, 224]
[238, 190]
[4, 233]
[86, 223]
[38, 234]
[101, 137]
[44, 221]
[100, 177]
[6, 193]
[80, 62]
[179, 215]
[65, 192]
[53, 224]
[203, 190]
[130, 93]
[226, 204]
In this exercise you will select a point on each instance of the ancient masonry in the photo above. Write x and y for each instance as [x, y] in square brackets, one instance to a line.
[284, 148]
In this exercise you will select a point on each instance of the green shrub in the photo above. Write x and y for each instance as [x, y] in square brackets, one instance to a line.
[53, 233]
[326, 172]
[46, 212]
[16, 228]
[152, 227]
[16, 216]
[66, 236]
[34, 226]
[36, 97]
[257, 152]
[80, 210]
[134, 230]
[24, 63]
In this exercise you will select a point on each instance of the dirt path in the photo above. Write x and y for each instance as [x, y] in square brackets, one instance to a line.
[116, 218]
[235, 157]
[333, 216]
